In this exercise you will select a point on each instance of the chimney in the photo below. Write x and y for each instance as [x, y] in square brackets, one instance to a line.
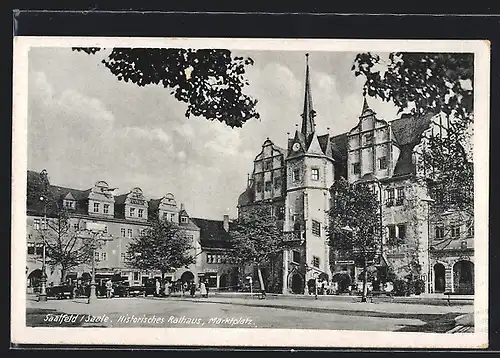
[182, 206]
[226, 222]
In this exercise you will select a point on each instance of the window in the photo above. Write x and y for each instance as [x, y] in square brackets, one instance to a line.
[315, 261]
[184, 219]
[259, 187]
[75, 226]
[382, 163]
[172, 217]
[124, 256]
[402, 231]
[296, 174]
[439, 232]
[36, 224]
[279, 212]
[209, 258]
[470, 230]
[140, 212]
[104, 256]
[400, 196]
[122, 231]
[316, 228]
[268, 186]
[96, 256]
[129, 232]
[96, 207]
[277, 182]
[356, 168]
[39, 249]
[367, 139]
[390, 197]
[268, 164]
[219, 258]
[69, 204]
[106, 209]
[132, 211]
[315, 174]
[463, 244]
[392, 231]
[31, 248]
[136, 276]
[296, 256]
[455, 231]
[105, 228]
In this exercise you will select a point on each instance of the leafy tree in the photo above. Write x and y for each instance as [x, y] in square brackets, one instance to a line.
[163, 247]
[439, 85]
[65, 248]
[210, 81]
[354, 223]
[257, 238]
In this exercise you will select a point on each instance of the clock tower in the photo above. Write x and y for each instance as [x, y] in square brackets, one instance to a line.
[309, 175]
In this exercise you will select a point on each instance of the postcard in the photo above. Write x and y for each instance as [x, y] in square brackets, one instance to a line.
[250, 192]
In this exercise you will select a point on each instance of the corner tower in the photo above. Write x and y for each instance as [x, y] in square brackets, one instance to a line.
[309, 175]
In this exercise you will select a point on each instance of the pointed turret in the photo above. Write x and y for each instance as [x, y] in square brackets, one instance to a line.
[308, 114]
[366, 109]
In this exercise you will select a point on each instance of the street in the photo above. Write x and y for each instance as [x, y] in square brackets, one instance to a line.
[225, 312]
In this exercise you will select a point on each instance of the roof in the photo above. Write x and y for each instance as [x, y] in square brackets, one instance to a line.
[120, 199]
[408, 129]
[212, 233]
[339, 146]
[246, 197]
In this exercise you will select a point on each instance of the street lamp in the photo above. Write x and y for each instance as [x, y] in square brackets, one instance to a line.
[95, 230]
[42, 297]
[429, 201]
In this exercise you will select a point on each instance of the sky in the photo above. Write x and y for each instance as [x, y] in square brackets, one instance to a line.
[85, 126]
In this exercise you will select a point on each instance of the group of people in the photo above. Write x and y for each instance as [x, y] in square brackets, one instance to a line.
[183, 287]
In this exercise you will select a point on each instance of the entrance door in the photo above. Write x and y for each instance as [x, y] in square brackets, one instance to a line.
[297, 285]
[439, 278]
[463, 275]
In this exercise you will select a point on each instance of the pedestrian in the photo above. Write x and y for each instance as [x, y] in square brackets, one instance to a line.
[192, 288]
[167, 288]
[109, 287]
[203, 289]
[158, 286]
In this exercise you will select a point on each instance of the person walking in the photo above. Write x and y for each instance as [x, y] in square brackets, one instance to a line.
[109, 288]
[203, 289]
[157, 287]
[192, 288]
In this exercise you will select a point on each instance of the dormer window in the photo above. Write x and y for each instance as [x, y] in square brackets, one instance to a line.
[132, 211]
[184, 219]
[140, 213]
[96, 207]
[106, 208]
[69, 204]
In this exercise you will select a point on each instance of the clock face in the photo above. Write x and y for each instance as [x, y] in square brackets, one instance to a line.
[296, 146]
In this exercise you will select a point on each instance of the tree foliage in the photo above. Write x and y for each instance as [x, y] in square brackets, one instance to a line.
[257, 236]
[163, 247]
[38, 194]
[439, 84]
[354, 221]
[210, 81]
[65, 248]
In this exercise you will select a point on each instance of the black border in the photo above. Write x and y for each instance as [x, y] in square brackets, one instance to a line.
[182, 22]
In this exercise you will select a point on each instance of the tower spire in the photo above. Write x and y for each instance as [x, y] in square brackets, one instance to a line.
[308, 114]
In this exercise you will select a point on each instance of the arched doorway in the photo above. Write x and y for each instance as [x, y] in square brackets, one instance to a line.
[223, 281]
[343, 280]
[187, 276]
[297, 283]
[439, 278]
[34, 278]
[463, 277]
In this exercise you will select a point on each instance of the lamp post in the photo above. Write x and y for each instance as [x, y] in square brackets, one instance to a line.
[95, 230]
[429, 201]
[42, 297]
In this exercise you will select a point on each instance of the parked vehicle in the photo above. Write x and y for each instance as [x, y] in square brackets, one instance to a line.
[136, 290]
[121, 289]
[150, 287]
[60, 291]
